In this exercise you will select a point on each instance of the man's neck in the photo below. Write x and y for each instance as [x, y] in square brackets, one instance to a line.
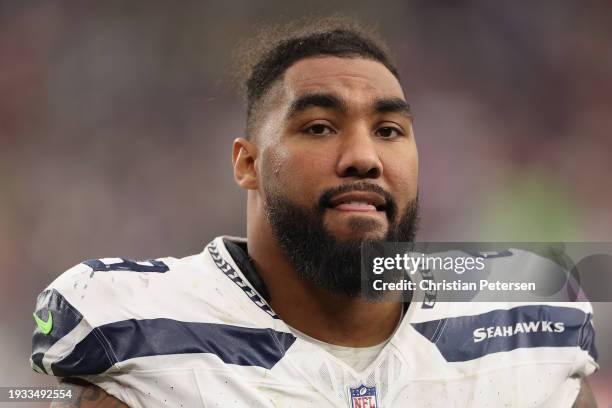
[334, 319]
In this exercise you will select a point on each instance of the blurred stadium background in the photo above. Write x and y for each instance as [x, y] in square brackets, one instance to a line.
[116, 121]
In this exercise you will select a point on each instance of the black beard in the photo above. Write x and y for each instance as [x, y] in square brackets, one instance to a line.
[316, 255]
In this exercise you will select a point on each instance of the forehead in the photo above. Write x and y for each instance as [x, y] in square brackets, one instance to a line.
[356, 76]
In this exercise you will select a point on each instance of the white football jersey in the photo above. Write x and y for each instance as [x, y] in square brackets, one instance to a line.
[194, 332]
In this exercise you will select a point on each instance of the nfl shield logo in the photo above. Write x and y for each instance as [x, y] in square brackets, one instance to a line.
[363, 397]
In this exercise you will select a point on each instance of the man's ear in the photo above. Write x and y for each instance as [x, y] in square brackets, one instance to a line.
[244, 154]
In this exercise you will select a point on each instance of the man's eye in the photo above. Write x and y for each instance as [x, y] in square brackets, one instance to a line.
[319, 130]
[389, 132]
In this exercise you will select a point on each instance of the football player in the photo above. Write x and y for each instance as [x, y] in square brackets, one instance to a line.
[329, 161]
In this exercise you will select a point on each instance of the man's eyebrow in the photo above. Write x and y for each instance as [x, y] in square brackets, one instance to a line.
[318, 99]
[393, 105]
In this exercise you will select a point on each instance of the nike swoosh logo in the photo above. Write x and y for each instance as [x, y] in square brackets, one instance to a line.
[45, 327]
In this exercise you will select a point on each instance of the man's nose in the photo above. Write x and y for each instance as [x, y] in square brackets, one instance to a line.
[358, 155]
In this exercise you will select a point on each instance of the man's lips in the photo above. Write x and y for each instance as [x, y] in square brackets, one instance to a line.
[361, 201]
[355, 206]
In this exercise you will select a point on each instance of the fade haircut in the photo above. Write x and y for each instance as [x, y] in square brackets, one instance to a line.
[265, 59]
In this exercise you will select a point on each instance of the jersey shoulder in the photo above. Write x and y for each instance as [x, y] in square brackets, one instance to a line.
[551, 326]
[104, 311]
[84, 297]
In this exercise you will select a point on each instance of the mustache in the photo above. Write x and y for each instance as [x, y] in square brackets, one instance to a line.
[390, 205]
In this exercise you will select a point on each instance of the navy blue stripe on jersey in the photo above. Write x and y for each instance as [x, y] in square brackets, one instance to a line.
[587, 338]
[37, 360]
[465, 338]
[231, 273]
[50, 304]
[89, 356]
[151, 337]
[127, 265]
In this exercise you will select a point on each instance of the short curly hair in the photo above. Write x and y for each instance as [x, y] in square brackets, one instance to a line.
[265, 59]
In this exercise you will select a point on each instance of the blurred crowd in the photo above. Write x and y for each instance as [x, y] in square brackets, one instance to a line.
[116, 122]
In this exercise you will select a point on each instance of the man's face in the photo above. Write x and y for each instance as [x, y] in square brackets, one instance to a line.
[337, 167]
[334, 123]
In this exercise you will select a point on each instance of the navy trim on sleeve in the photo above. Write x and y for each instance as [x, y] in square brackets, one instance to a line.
[150, 337]
[587, 338]
[50, 304]
[465, 338]
[88, 357]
